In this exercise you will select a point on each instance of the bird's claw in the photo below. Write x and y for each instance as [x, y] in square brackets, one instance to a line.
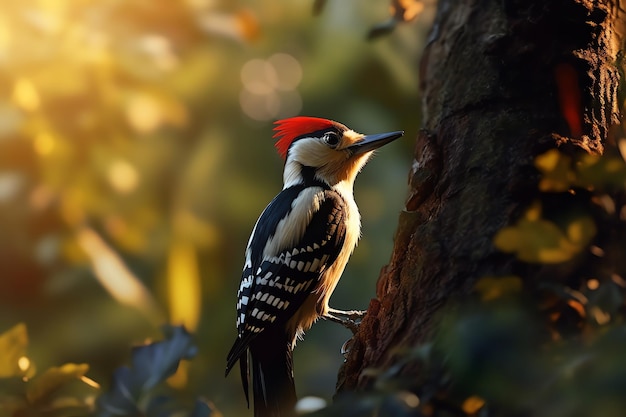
[351, 314]
[349, 319]
[345, 348]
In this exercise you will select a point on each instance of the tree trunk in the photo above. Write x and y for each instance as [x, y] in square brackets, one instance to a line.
[502, 81]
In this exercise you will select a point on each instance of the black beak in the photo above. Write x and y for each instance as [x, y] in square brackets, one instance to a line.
[371, 142]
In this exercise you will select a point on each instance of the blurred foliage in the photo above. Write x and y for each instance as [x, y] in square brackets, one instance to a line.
[57, 391]
[136, 154]
[548, 341]
[534, 239]
[65, 390]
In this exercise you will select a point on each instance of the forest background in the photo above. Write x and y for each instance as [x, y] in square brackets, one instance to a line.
[136, 154]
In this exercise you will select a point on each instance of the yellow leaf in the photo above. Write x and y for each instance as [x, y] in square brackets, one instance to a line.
[533, 212]
[533, 239]
[507, 239]
[548, 161]
[557, 255]
[13, 345]
[53, 379]
[557, 174]
[491, 288]
[183, 285]
[581, 231]
[529, 239]
[472, 404]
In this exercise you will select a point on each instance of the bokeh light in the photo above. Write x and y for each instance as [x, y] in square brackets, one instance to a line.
[270, 87]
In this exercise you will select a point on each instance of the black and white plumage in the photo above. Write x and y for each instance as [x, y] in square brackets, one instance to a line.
[297, 252]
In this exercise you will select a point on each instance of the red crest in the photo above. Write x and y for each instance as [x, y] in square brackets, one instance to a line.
[289, 129]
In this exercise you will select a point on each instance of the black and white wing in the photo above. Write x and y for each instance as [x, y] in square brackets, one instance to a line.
[283, 268]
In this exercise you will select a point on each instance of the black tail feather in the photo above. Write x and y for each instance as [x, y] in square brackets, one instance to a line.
[239, 352]
[272, 377]
[245, 375]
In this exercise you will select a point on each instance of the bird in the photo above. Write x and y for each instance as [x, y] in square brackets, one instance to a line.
[297, 252]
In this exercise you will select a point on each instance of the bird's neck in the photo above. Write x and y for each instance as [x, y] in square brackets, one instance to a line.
[297, 174]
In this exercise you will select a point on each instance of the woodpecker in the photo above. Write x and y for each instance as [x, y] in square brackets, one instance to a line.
[297, 252]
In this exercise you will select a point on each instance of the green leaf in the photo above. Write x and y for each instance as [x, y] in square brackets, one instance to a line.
[53, 379]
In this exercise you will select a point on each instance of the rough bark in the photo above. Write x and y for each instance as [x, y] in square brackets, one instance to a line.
[502, 81]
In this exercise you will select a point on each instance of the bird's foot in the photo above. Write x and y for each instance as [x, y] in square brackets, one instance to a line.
[349, 319]
[345, 348]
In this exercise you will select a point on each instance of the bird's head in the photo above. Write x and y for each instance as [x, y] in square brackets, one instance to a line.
[324, 150]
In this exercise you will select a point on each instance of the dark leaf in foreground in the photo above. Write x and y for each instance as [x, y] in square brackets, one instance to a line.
[151, 364]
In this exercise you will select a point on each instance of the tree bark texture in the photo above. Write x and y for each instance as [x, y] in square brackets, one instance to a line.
[501, 81]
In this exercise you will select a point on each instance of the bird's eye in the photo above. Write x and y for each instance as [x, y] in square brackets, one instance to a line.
[331, 139]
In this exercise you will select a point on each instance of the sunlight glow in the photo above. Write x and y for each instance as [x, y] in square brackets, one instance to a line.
[90, 382]
[160, 49]
[5, 38]
[25, 95]
[410, 9]
[270, 87]
[123, 176]
[10, 184]
[148, 111]
[259, 76]
[113, 274]
[288, 70]
[143, 113]
[44, 143]
[23, 363]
